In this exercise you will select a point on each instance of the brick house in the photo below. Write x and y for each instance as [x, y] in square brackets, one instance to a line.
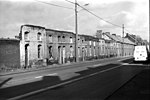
[60, 45]
[32, 45]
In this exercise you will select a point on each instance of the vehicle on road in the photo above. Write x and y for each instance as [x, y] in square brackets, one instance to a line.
[140, 53]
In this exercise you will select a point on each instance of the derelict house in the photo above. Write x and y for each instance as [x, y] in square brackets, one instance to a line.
[32, 45]
[38, 46]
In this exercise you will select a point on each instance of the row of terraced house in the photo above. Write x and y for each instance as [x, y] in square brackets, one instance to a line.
[39, 46]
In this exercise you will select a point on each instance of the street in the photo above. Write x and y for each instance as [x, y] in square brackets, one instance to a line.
[95, 82]
[96, 87]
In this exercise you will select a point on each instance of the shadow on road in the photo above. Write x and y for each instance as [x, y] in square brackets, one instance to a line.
[5, 81]
[10, 92]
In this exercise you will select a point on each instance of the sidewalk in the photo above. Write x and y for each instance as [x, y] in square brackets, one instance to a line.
[54, 66]
[137, 88]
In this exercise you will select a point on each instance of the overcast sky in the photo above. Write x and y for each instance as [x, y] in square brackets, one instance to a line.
[134, 14]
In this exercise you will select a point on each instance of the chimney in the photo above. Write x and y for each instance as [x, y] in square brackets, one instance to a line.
[99, 31]
[99, 34]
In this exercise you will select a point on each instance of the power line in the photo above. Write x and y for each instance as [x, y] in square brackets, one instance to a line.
[70, 1]
[95, 14]
[53, 4]
[99, 17]
[127, 30]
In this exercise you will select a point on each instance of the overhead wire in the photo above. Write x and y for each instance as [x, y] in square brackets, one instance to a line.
[54, 4]
[94, 14]
[82, 8]
[99, 16]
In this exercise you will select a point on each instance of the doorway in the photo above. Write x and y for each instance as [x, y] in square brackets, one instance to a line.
[26, 55]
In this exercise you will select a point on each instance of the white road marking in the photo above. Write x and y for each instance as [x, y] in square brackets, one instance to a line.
[121, 59]
[97, 65]
[60, 84]
[53, 74]
[132, 64]
[39, 77]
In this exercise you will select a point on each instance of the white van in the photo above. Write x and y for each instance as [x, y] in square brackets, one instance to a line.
[140, 53]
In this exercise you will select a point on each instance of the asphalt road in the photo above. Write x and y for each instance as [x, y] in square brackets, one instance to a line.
[18, 78]
[138, 88]
[95, 81]
[96, 87]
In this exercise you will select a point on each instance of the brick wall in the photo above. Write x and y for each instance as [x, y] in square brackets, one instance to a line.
[9, 53]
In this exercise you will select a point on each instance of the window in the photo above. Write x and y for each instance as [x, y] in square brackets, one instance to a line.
[71, 40]
[63, 39]
[59, 39]
[79, 51]
[86, 51]
[90, 51]
[94, 43]
[99, 42]
[50, 51]
[90, 42]
[26, 35]
[39, 36]
[50, 38]
[39, 51]
[82, 41]
[71, 51]
[94, 51]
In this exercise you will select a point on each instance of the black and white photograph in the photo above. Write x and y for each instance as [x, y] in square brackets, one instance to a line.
[74, 50]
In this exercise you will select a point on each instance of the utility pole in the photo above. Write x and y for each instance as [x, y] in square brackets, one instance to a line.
[149, 30]
[122, 39]
[76, 32]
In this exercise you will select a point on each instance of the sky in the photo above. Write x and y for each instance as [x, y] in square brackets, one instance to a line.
[134, 14]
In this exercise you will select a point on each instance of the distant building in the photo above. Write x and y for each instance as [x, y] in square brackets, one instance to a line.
[136, 39]
[115, 45]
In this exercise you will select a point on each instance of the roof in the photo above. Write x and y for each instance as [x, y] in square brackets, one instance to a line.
[119, 38]
[113, 37]
[126, 40]
[59, 31]
[88, 37]
[34, 26]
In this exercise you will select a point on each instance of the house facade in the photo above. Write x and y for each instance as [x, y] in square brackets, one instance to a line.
[32, 45]
[39, 45]
[116, 46]
[60, 46]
